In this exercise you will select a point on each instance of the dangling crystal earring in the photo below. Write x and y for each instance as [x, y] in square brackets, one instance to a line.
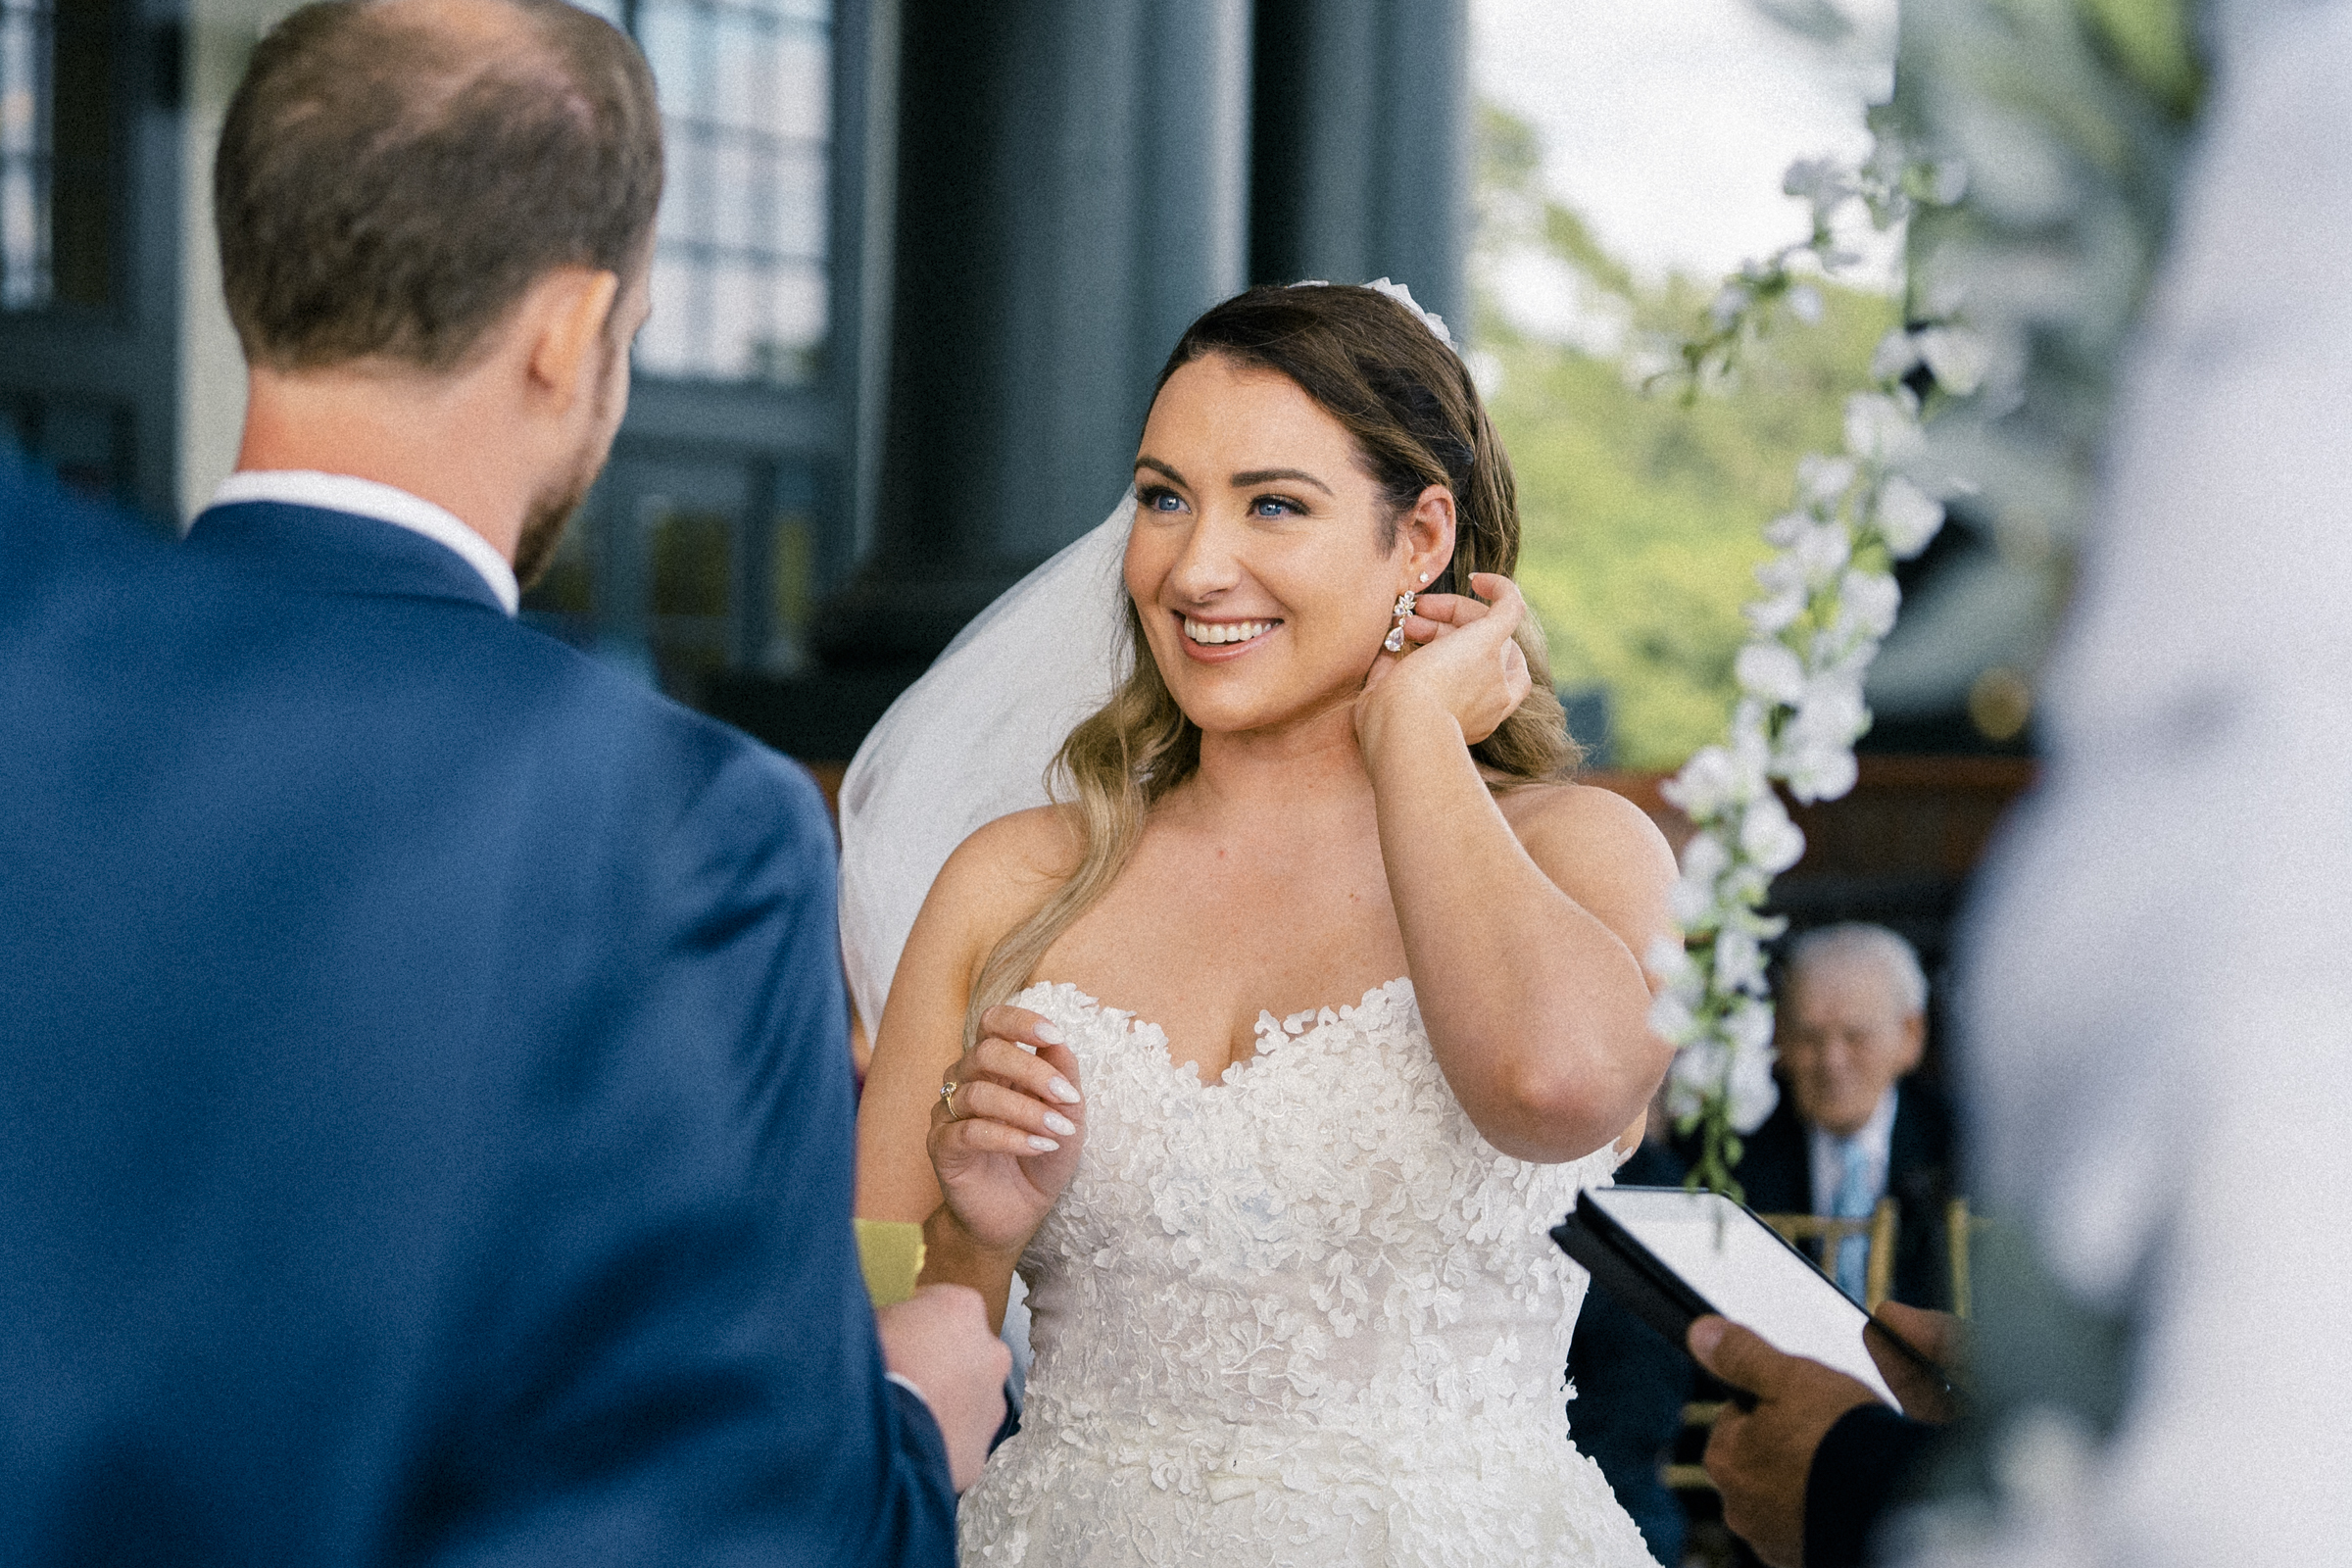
[1395, 641]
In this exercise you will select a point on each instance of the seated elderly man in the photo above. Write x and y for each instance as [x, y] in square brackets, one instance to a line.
[1852, 1129]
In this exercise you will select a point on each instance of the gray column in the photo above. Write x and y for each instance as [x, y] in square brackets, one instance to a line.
[1071, 190]
[1360, 163]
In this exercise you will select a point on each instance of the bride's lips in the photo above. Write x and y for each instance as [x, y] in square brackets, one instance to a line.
[1218, 653]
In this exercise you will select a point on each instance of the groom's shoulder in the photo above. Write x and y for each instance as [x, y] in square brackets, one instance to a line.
[685, 760]
[567, 737]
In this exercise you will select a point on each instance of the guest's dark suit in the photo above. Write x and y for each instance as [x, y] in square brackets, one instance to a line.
[1630, 1384]
[427, 1134]
[1777, 1175]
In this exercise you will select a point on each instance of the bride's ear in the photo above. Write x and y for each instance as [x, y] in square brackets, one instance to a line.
[1426, 533]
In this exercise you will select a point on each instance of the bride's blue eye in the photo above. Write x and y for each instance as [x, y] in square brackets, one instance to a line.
[1276, 507]
[1155, 499]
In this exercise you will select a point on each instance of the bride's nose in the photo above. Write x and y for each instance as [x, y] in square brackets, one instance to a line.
[1208, 562]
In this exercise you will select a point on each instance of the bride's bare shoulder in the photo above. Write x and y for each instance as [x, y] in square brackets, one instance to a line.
[1586, 827]
[1042, 842]
[1000, 874]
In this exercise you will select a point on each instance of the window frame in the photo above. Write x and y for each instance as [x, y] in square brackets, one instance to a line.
[820, 427]
[115, 365]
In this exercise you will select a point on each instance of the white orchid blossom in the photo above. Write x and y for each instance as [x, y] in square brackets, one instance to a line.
[1771, 670]
[1821, 552]
[1776, 611]
[1749, 1086]
[1896, 353]
[1823, 480]
[1882, 428]
[1831, 707]
[1955, 357]
[1820, 772]
[1739, 961]
[1866, 604]
[1768, 840]
[1671, 1018]
[1825, 599]
[1696, 891]
[1670, 961]
[1907, 519]
[1697, 1075]
[1716, 777]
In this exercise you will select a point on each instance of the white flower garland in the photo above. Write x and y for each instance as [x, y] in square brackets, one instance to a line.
[1827, 599]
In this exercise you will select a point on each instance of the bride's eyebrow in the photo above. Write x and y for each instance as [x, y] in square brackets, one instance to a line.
[1161, 468]
[1243, 481]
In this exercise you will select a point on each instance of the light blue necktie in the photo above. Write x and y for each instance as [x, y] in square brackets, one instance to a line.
[1855, 1201]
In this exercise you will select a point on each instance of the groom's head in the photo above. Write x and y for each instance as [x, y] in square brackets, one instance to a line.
[403, 186]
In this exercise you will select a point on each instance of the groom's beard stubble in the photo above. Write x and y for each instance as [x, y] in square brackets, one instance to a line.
[543, 524]
[551, 508]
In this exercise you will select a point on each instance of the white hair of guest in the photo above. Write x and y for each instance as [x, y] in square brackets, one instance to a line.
[1853, 942]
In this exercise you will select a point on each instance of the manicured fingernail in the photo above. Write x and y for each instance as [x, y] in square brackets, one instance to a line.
[1705, 1335]
[1058, 1123]
[1044, 1146]
[1060, 1089]
[1049, 1034]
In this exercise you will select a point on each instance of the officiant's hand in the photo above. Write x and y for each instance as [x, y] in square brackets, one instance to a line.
[1759, 1459]
[1459, 656]
[1939, 1337]
[1006, 1142]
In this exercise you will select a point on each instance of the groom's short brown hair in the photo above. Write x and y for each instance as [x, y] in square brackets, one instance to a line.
[394, 174]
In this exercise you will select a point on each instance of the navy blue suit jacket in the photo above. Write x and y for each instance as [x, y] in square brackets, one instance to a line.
[427, 1134]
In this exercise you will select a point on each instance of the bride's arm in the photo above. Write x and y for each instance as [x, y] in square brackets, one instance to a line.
[1004, 1184]
[1523, 945]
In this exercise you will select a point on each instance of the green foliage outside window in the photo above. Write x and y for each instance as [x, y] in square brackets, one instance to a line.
[1644, 510]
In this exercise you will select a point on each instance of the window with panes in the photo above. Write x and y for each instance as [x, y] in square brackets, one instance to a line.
[695, 554]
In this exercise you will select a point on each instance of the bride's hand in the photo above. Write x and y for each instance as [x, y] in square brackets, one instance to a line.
[1459, 656]
[1005, 1141]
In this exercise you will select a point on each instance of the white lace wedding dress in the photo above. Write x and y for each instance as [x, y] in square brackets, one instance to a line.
[1306, 1315]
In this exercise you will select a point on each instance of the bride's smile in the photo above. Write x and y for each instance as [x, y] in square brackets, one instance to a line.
[1263, 564]
[1227, 638]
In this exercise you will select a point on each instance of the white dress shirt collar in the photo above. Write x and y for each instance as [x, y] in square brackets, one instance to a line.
[1827, 1153]
[365, 498]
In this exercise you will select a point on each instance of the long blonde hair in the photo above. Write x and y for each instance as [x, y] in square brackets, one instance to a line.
[1412, 408]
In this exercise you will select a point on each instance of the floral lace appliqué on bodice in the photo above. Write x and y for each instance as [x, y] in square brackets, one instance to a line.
[1306, 1314]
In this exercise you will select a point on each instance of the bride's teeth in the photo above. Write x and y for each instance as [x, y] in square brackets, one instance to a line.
[1230, 632]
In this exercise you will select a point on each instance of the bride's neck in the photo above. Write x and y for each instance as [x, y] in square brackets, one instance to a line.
[1285, 770]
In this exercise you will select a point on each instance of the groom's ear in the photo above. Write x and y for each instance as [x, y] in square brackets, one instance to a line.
[1426, 530]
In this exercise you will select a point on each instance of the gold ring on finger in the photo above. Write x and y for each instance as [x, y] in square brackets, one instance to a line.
[947, 1097]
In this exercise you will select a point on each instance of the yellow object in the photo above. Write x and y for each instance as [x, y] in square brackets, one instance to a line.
[1878, 1274]
[890, 1254]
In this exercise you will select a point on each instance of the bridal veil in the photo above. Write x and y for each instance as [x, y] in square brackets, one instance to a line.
[971, 740]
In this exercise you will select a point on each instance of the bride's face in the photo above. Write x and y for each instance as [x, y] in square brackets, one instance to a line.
[1257, 562]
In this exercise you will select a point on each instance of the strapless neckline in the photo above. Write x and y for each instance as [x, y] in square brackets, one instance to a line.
[1269, 1030]
[1312, 1317]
